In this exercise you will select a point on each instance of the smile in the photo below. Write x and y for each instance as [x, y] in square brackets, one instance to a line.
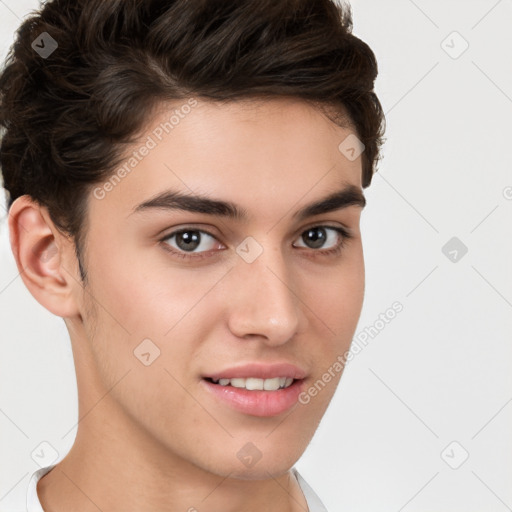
[254, 396]
[252, 383]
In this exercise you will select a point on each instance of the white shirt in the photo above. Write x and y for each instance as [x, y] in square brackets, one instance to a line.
[34, 505]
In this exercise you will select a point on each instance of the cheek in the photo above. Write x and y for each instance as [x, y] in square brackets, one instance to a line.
[147, 296]
[152, 317]
[335, 297]
[156, 309]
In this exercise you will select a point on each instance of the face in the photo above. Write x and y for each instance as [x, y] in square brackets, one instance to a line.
[179, 299]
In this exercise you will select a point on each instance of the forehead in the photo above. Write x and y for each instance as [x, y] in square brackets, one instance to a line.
[263, 154]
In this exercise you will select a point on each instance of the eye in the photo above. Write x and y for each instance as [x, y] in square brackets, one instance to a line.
[188, 240]
[317, 236]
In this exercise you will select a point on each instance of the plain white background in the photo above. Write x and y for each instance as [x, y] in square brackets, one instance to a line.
[422, 418]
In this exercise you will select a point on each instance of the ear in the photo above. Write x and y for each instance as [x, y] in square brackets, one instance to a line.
[44, 256]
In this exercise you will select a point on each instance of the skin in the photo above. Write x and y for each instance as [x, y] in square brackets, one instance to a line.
[149, 437]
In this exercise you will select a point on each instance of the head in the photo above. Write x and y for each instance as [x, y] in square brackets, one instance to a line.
[250, 107]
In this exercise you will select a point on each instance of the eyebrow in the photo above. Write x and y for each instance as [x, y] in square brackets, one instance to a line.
[174, 200]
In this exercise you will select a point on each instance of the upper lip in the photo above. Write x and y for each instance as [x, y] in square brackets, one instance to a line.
[259, 371]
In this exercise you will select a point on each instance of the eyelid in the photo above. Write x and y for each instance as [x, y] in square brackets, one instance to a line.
[326, 224]
[184, 227]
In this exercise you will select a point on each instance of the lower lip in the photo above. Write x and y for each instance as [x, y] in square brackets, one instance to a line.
[256, 402]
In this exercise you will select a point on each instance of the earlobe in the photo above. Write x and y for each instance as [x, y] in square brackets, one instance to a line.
[39, 249]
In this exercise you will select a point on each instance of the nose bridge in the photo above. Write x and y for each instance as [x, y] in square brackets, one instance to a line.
[265, 302]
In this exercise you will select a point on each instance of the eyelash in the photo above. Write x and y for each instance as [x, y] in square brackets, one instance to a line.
[345, 235]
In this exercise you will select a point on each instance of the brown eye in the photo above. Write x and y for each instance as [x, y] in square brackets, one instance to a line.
[318, 236]
[188, 240]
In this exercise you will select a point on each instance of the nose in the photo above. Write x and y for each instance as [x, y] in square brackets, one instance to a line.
[264, 303]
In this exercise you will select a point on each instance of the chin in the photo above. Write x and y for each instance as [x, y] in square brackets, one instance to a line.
[250, 463]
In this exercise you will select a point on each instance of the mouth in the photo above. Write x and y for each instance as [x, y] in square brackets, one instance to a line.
[255, 384]
[254, 396]
[256, 388]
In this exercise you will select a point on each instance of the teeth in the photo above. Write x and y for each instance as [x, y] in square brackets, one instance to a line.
[252, 383]
[272, 384]
[238, 383]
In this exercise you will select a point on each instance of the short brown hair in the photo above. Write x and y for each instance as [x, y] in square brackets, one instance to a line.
[66, 118]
